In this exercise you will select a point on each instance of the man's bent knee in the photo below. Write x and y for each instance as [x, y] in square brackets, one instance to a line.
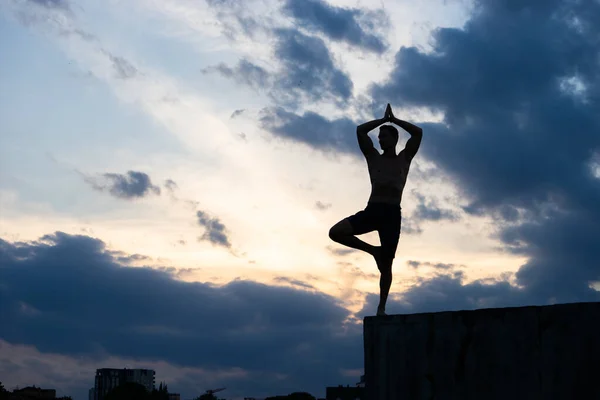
[342, 228]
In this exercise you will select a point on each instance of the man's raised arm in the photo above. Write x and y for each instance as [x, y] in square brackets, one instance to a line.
[416, 134]
[362, 132]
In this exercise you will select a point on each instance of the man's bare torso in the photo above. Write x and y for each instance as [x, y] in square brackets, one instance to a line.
[388, 176]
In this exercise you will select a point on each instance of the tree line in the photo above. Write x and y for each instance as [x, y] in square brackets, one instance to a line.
[7, 395]
[135, 391]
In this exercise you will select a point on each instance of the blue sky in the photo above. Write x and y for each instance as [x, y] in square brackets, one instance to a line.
[169, 171]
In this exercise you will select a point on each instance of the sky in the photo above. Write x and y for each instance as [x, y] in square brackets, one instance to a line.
[170, 169]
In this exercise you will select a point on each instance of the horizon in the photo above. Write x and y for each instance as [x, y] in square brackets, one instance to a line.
[169, 172]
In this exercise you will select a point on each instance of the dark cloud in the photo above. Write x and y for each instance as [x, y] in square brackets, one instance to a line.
[449, 292]
[564, 255]
[499, 93]
[310, 73]
[237, 113]
[519, 88]
[133, 185]
[322, 206]
[337, 23]
[307, 72]
[427, 209]
[312, 129]
[215, 230]
[67, 294]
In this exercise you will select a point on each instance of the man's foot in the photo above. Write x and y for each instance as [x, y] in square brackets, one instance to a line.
[381, 312]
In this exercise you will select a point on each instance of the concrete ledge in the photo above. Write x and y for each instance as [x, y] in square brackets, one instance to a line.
[535, 352]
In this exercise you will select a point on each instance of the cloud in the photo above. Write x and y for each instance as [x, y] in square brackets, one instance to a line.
[322, 206]
[170, 185]
[45, 13]
[60, 4]
[499, 93]
[349, 270]
[236, 18]
[293, 282]
[427, 209]
[127, 259]
[338, 23]
[215, 230]
[410, 227]
[348, 275]
[341, 251]
[133, 185]
[237, 113]
[123, 68]
[69, 295]
[441, 266]
[515, 139]
[245, 72]
[309, 70]
[449, 292]
[178, 272]
[306, 72]
[312, 129]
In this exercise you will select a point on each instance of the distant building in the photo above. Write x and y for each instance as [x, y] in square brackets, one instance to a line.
[174, 396]
[91, 394]
[109, 378]
[362, 381]
[345, 393]
[32, 392]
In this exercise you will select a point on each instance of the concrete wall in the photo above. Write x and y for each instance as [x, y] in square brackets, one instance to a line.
[543, 352]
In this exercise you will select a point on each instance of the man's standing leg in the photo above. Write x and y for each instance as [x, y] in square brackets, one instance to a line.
[389, 235]
[385, 282]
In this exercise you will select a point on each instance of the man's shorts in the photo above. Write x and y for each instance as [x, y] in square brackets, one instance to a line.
[381, 217]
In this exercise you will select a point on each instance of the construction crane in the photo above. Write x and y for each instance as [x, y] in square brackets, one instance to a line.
[212, 391]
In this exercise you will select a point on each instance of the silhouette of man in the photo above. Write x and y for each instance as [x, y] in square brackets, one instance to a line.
[388, 172]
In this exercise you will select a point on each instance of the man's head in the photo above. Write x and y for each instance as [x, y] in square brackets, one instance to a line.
[388, 137]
